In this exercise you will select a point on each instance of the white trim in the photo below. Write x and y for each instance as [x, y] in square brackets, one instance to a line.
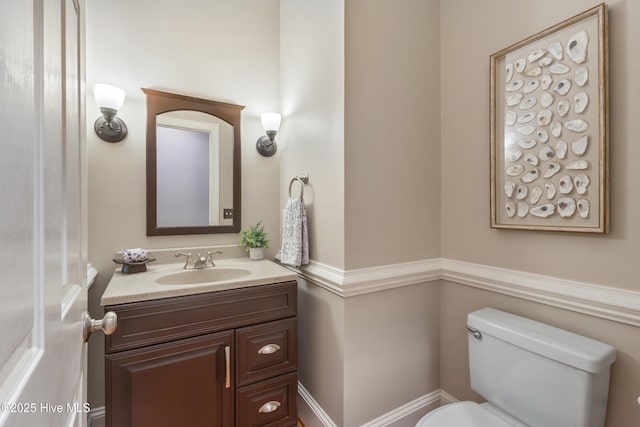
[322, 416]
[619, 305]
[407, 409]
[95, 414]
[92, 274]
[446, 398]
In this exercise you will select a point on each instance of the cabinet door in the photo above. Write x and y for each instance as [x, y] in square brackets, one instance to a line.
[182, 383]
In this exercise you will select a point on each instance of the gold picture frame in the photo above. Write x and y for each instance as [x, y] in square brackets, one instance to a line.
[549, 128]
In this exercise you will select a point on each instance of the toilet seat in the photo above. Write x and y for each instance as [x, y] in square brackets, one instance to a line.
[462, 414]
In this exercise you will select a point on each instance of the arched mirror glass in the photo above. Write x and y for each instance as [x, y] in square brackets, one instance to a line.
[193, 165]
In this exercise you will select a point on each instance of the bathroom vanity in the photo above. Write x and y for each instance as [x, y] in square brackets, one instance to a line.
[222, 353]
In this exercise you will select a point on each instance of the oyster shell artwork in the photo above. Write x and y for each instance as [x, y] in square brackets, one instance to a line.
[508, 69]
[580, 145]
[510, 207]
[550, 189]
[510, 138]
[527, 117]
[527, 143]
[536, 54]
[513, 155]
[556, 129]
[543, 135]
[577, 165]
[543, 211]
[581, 76]
[546, 153]
[510, 117]
[559, 68]
[523, 209]
[562, 107]
[566, 207]
[533, 72]
[530, 159]
[536, 194]
[514, 85]
[531, 86]
[515, 170]
[529, 103]
[580, 102]
[561, 149]
[583, 208]
[546, 99]
[526, 130]
[562, 87]
[546, 81]
[520, 64]
[522, 192]
[553, 168]
[530, 176]
[544, 62]
[577, 47]
[555, 49]
[514, 99]
[577, 125]
[509, 187]
[565, 184]
[581, 182]
[544, 117]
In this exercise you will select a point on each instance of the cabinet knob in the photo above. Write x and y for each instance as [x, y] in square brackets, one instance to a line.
[107, 325]
[269, 349]
[269, 407]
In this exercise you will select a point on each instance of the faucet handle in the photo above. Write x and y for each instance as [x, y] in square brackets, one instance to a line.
[210, 256]
[186, 264]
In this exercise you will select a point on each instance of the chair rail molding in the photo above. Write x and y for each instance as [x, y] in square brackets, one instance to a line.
[620, 305]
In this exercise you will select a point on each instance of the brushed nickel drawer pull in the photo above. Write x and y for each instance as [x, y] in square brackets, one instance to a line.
[269, 407]
[227, 359]
[269, 349]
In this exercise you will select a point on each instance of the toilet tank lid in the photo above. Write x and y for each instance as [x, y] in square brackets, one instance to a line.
[554, 343]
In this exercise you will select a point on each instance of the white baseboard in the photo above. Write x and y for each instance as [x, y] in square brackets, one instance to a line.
[446, 398]
[315, 415]
[619, 305]
[421, 405]
[96, 417]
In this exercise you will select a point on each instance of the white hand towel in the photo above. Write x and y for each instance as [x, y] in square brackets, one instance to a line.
[295, 238]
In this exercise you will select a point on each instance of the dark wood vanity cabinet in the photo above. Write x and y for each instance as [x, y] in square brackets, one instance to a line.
[226, 358]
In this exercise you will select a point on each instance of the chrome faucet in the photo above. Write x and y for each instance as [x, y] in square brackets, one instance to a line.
[200, 261]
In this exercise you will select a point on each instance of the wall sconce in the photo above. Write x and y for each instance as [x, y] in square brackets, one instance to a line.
[266, 144]
[109, 127]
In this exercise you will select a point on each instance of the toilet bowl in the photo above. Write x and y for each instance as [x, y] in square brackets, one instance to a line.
[468, 414]
[531, 374]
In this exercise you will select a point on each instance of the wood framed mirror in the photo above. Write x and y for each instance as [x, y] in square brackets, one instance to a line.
[193, 165]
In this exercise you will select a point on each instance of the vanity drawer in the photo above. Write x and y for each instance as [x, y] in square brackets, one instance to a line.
[152, 322]
[266, 350]
[268, 403]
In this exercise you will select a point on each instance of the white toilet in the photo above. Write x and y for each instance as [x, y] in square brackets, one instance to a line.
[532, 375]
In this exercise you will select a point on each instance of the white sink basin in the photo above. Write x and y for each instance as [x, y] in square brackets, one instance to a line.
[210, 275]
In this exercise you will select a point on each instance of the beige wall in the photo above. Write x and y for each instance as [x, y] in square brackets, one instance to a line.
[458, 300]
[391, 350]
[218, 49]
[471, 32]
[392, 131]
[312, 136]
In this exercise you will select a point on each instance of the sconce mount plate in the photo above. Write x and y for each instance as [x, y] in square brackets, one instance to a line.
[115, 132]
[266, 147]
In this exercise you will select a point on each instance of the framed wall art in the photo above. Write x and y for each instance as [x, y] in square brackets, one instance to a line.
[549, 128]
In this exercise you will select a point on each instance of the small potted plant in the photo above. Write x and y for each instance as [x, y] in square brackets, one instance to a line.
[255, 240]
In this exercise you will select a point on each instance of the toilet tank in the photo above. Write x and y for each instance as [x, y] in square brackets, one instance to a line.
[542, 375]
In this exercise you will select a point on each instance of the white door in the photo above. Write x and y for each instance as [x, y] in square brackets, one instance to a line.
[43, 289]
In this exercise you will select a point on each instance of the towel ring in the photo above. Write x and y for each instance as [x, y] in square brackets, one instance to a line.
[302, 179]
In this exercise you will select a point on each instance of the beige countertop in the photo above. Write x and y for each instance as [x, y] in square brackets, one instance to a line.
[125, 288]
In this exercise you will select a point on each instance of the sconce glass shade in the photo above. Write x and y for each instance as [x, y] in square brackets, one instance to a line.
[270, 121]
[110, 99]
[108, 96]
[266, 144]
